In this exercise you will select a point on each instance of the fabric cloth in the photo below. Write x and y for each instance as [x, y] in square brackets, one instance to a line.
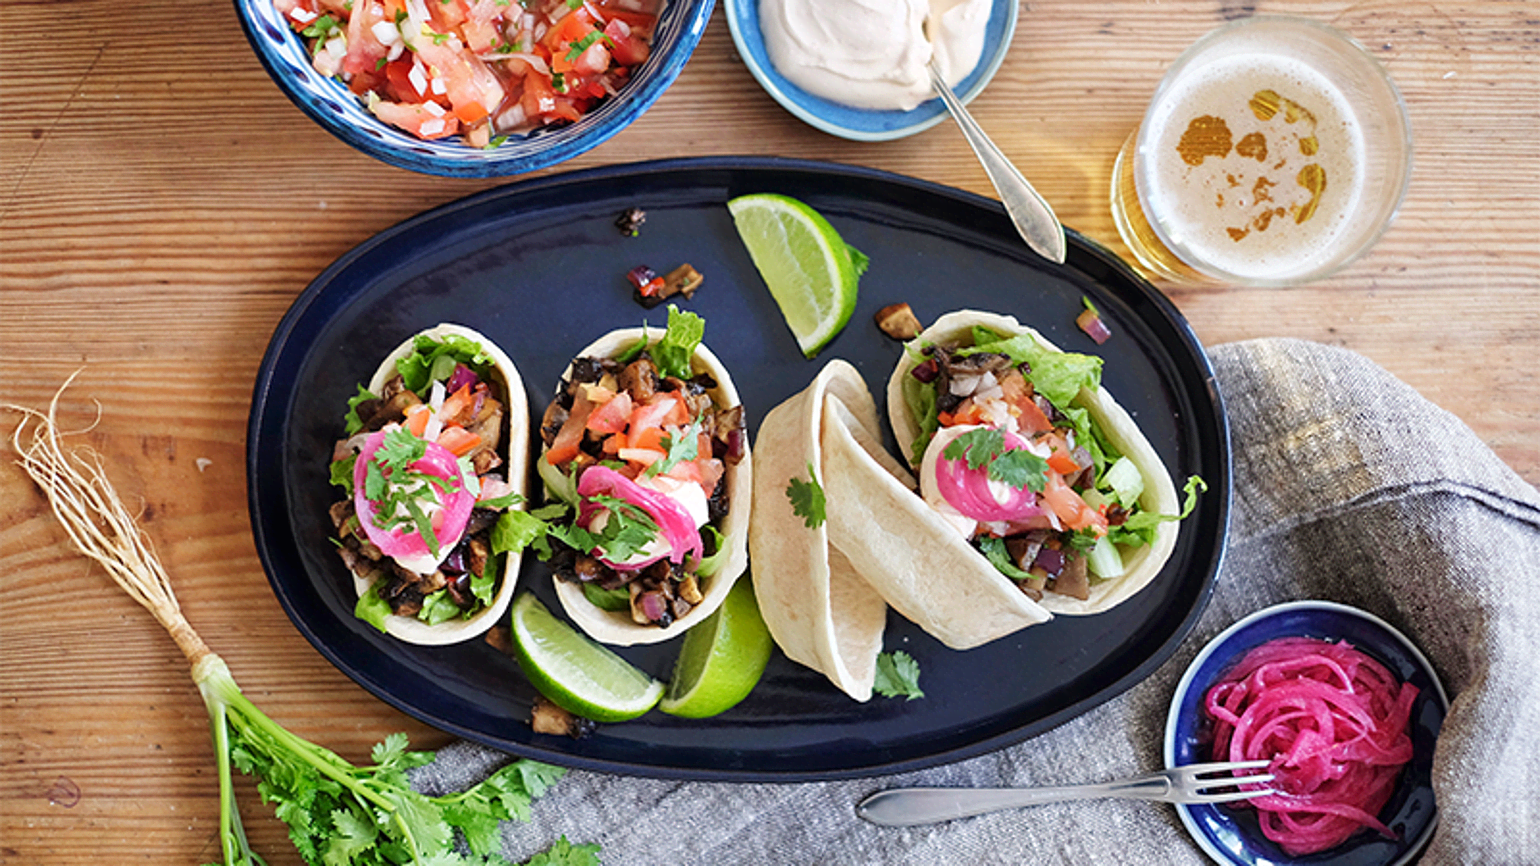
[1348, 487]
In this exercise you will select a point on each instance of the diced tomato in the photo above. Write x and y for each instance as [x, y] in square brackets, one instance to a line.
[572, 27]
[650, 437]
[665, 408]
[365, 51]
[446, 15]
[641, 23]
[627, 48]
[539, 99]
[1072, 510]
[459, 440]
[417, 416]
[611, 417]
[1062, 463]
[967, 412]
[466, 79]
[458, 408]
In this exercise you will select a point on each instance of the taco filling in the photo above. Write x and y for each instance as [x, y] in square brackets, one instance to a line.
[643, 454]
[424, 484]
[1013, 461]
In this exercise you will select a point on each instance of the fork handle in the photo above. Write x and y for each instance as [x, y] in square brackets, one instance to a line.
[908, 807]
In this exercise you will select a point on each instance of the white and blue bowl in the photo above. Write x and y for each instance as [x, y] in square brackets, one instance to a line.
[861, 124]
[334, 107]
[1230, 834]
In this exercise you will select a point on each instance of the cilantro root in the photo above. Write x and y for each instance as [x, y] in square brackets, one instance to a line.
[337, 813]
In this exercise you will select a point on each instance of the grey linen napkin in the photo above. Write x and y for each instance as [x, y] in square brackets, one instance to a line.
[1349, 487]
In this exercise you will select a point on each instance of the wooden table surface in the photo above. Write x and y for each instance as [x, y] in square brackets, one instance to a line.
[162, 204]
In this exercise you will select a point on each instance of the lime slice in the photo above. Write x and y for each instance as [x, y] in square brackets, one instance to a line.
[810, 270]
[721, 659]
[574, 672]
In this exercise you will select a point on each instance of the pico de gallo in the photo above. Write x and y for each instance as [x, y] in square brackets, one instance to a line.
[480, 69]
[1009, 460]
[639, 450]
[424, 485]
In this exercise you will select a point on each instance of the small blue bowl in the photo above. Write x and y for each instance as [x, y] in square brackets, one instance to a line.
[856, 123]
[331, 104]
[1231, 835]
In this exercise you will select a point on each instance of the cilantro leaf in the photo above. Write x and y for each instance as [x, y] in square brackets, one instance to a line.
[682, 448]
[807, 499]
[898, 674]
[564, 853]
[984, 448]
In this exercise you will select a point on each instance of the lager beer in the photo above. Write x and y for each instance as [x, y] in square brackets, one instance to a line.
[1274, 152]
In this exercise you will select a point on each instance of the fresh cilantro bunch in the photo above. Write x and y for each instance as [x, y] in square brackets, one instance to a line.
[339, 813]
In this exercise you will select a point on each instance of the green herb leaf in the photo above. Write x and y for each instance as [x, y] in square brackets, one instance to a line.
[564, 853]
[898, 674]
[1059, 376]
[342, 473]
[807, 499]
[674, 352]
[372, 609]
[682, 448]
[999, 556]
[1139, 529]
[985, 447]
[351, 421]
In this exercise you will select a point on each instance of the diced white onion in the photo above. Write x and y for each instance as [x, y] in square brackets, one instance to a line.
[387, 32]
[436, 396]
[418, 78]
[439, 87]
[433, 108]
[302, 15]
[396, 51]
[337, 47]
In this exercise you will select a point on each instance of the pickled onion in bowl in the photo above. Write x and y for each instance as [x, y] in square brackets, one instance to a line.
[1332, 721]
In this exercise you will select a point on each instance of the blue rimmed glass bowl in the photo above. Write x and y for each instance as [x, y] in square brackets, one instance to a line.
[861, 124]
[329, 102]
[1231, 834]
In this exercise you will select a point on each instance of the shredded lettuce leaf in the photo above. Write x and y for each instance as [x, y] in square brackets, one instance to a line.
[433, 359]
[1059, 376]
[673, 353]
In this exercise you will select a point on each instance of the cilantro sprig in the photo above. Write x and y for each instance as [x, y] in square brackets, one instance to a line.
[898, 675]
[807, 499]
[984, 448]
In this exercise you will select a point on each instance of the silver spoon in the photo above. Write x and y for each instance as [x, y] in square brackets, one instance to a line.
[1028, 210]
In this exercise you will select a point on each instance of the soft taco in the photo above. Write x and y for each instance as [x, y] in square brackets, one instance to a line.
[646, 443]
[434, 457]
[1022, 451]
[821, 613]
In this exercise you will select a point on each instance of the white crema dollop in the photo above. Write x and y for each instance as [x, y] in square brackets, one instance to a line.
[872, 53]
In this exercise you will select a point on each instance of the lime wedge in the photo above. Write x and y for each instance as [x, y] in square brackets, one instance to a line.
[721, 660]
[574, 672]
[809, 270]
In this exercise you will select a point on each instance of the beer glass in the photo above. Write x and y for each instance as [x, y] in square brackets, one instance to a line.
[1275, 151]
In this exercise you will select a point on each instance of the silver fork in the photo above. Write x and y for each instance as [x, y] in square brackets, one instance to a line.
[1194, 783]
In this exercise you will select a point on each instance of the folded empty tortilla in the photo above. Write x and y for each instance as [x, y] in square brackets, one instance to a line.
[820, 612]
[824, 589]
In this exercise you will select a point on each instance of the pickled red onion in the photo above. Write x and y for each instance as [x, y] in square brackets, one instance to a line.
[406, 545]
[969, 491]
[676, 524]
[1332, 721]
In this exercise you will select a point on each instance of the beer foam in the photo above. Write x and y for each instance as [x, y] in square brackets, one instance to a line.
[1238, 149]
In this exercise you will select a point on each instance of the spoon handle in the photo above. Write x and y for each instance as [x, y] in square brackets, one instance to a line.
[1029, 211]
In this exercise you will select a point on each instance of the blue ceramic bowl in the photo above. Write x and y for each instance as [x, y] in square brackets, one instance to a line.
[329, 102]
[1231, 835]
[857, 123]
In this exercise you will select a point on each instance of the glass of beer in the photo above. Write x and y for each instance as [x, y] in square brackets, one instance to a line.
[1275, 151]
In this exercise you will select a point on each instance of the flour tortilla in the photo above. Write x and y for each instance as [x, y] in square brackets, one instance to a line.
[515, 454]
[1141, 565]
[617, 627]
[906, 551]
[820, 612]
